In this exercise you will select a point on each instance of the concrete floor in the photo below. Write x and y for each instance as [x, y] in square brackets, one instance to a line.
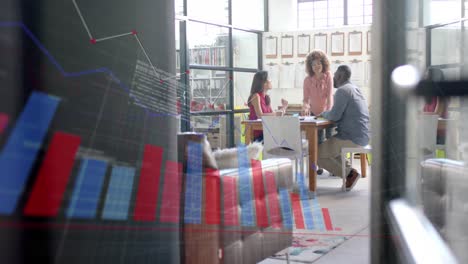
[349, 212]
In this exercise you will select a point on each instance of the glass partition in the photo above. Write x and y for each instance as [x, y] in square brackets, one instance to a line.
[440, 11]
[177, 44]
[245, 47]
[208, 44]
[209, 10]
[437, 134]
[335, 13]
[179, 7]
[355, 12]
[367, 11]
[242, 85]
[445, 44]
[248, 14]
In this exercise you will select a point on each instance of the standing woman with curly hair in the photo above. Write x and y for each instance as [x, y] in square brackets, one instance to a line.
[318, 84]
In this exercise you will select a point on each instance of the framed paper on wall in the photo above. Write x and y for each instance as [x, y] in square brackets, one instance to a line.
[337, 41]
[271, 47]
[356, 71]
[303, 45]
[355, 43]
[368, 42]
[287, 46]
[320, 42]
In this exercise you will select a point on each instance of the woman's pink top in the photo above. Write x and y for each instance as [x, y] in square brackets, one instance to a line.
[265, 109]
[432, 106]
[318, 93]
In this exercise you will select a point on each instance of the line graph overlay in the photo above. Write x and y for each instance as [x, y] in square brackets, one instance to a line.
[160, 85]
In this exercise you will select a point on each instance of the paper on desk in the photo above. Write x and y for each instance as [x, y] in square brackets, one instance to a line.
[313, 119]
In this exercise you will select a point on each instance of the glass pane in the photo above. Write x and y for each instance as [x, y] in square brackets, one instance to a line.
[464, 60]
[368, 20]
[441, 164]
[320, 5]
[339, 21]
[214, 127]
[209, 45]
[239, 136]
[208, 90]
[355, 12]
[179, 7]
[304, 11]
[248, 14]
[445, 44]
[177, 43]
[466, 8]
[208, 10]
[245, 46]
[355, 20]
[335, 3]
[242, 85]
[320, 22]
[368, 10]
[443, 11]
[335, 13]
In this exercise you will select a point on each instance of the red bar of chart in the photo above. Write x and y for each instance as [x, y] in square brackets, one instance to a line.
[53, 176]
[231, 216]
[170, 204]
[327, 219]
[272, 197]
[212, 197]
[297, 211]
[148, 187]
[259, 194]
[4, 118]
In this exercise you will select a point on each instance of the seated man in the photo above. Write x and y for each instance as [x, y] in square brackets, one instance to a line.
[351, 114]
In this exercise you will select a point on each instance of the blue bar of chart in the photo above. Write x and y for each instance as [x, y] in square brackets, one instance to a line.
[119, 193]
[193, 188]
[286, 209]
[245, 188]
[87, 189]
[306, 207]
[317, 214]
[21, 149]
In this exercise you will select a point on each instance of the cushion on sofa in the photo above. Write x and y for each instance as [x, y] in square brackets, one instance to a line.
[208, 158]
[227, 158]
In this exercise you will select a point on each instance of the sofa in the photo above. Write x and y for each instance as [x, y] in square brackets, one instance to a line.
[226, 233]
[445, 202]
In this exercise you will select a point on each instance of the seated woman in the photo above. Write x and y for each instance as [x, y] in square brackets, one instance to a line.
[435, 104]
[259, 101]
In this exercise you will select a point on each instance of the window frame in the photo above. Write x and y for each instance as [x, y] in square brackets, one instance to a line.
[186, 65]
[345, 17]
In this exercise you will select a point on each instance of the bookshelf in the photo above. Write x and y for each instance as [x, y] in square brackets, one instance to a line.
[209, 55]
[209, 87]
